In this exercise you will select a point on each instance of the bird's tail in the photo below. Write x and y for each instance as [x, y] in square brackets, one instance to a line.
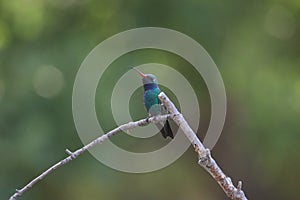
[166, 130]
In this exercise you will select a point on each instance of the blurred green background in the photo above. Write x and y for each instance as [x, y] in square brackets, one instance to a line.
[254, 43]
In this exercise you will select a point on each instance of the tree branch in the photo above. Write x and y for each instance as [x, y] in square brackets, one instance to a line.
[204, 156]
[73, 155]
[205, 159]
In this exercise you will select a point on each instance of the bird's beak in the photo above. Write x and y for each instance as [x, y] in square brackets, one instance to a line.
[139, 72]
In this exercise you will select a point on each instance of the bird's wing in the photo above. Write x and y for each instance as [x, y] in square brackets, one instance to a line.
[166, 130]
[163, 108]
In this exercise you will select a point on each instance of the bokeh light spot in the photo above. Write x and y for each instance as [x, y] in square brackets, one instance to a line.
[48, 81]
[280, 22]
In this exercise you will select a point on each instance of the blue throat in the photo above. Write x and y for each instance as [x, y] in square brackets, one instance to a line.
[150, 86]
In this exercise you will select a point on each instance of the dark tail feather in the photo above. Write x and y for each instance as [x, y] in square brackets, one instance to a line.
[166, 130]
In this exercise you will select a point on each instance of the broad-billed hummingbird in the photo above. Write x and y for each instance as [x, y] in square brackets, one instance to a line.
[152, 102]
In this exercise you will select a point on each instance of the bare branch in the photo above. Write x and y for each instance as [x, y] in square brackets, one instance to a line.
[205, 158]
[73, 155]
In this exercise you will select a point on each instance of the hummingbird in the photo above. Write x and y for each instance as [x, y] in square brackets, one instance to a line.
[152, 102]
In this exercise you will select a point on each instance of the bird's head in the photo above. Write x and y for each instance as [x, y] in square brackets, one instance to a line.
[146, 78]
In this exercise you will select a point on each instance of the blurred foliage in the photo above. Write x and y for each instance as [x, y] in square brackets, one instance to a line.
[254, 43]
